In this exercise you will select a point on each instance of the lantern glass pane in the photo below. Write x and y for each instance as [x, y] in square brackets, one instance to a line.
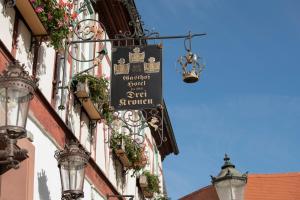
[224, 190]
[230, 189]
[65, 183]
[72, 174]
[2, 107]
[17, 107]
[80, 178]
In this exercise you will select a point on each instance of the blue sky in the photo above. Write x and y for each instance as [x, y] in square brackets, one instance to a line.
[247, 102]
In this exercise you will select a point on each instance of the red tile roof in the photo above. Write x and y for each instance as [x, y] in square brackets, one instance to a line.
[259, 187]
[206, 193]
[273, 187]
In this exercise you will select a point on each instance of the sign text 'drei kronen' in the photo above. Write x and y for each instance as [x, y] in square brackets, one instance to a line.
[136, 77]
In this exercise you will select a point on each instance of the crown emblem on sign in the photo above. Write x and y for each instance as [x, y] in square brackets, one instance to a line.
[151, 66]
[121, 67]
[136, 56]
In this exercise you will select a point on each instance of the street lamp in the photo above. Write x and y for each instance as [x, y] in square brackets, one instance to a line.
[72, 161]
[230, 183]
[16, 91]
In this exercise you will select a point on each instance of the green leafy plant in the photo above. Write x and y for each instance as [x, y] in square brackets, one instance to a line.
[107, 113]
[153, 182]
[98, 86]
[133, 151]
[57, 17]
[163, 197]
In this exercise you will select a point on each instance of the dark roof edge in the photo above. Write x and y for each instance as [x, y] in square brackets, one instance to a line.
[167, 122]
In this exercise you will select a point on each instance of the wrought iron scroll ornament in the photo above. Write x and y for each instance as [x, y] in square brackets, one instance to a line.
[89, 30]
[134, 123]
[9, 3]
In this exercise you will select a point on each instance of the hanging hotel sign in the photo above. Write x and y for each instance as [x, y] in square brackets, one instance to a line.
[136, 77]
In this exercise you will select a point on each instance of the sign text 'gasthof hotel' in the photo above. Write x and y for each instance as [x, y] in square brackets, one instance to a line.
[136, 78]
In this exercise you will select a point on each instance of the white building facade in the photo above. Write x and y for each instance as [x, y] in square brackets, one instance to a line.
[23, 37]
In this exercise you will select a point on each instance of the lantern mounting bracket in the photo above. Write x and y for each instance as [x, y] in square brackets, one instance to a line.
[120, 196]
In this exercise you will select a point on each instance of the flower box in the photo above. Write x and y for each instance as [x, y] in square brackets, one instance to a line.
[121, 154]
[83, 94]
[149, 184]
[143, 182]
[93, 94]
[82, 89]
[142, 162]
[30, 17]
[91, 109]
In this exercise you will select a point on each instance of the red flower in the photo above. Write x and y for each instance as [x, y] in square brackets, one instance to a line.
[60, 24]
[50, 16]
[74, 15]
[66, 17]
[39, 9]
[61, 3]
[70, 5]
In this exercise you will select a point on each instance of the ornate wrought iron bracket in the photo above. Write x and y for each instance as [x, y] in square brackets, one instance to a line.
[11, 155]
[128, 38]
[90, 31]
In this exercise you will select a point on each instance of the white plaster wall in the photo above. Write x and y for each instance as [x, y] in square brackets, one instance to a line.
[74, 118]
[90, 192]
[85, 133]
[105, 68]
[96, 195]
[7, 18]
[87, 189]
[45, 69]
[46, 173]
[105, 64]
[108, 47]
[24, 54]
[101, 147]
[112, 171]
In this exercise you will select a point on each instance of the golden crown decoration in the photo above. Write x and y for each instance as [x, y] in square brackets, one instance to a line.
[136, 56]
[121, 67]
[151, 66]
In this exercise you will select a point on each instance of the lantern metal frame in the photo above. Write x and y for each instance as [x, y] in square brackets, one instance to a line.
[72, 151]
[15, 77]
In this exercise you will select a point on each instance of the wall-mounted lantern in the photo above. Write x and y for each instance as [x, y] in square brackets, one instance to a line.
[72, 161]
[16, 90]
[130, 197]
[230, 183]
